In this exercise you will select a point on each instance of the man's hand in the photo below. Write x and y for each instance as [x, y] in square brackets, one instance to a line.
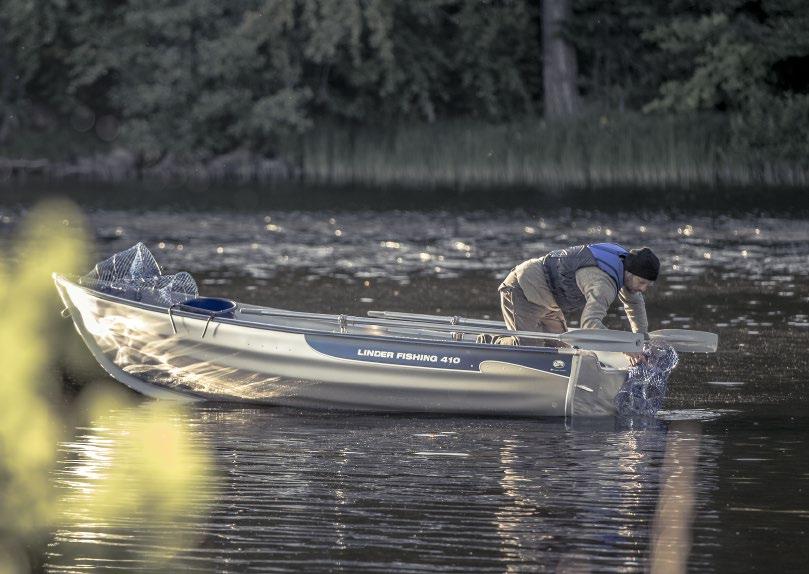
[636, 358]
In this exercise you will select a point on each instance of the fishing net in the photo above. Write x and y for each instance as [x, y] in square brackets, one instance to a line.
[645, 387]
[135, 274]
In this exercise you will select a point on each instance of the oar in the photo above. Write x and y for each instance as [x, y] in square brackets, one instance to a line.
[592, 339]
[682, 340]
[687, 341]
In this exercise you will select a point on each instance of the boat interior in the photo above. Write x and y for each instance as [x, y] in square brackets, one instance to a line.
[377, 324]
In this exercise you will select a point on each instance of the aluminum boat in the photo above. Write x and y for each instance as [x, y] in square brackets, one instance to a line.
[212, 349]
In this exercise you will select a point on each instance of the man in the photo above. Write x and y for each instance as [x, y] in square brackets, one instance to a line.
[539, 293]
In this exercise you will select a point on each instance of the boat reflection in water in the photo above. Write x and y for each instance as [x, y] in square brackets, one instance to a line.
[676, 507]
[355, 493]
[590, 511]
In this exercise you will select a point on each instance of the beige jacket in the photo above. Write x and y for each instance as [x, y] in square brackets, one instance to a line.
[598, 288]
[600, 291]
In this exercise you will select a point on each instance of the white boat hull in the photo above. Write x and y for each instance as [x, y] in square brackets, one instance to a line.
[311, 364]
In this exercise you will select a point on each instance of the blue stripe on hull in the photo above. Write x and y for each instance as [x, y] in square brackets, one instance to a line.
[436, 355]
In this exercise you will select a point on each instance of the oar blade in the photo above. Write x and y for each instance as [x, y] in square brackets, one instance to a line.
[604, 340]
[688, 341]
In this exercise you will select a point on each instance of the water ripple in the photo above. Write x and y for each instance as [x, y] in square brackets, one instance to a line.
[371, 493]
[442, 244]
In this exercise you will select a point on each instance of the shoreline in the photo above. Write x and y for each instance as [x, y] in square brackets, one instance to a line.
[592, 152]
[120, 165]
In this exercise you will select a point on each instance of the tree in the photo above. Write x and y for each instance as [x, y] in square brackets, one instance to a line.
[209, 76]
[31, 54]
[748, 58]
[559, 69]
[618, 66]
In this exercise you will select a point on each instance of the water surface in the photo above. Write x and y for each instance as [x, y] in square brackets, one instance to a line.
[716, 490]
[718, 482]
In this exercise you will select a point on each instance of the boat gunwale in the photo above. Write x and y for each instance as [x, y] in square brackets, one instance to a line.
[58, 277]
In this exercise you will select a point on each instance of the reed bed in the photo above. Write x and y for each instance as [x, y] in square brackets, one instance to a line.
[595, 151]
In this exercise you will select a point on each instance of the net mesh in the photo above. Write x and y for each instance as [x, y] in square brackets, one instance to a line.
[135, 274]
[645, 387]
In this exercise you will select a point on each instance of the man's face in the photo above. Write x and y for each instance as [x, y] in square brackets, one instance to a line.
[635, 284]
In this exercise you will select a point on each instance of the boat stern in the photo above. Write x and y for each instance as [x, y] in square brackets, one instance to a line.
[595, 386]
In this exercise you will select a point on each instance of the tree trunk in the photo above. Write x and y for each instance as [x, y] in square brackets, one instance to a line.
[559, 68]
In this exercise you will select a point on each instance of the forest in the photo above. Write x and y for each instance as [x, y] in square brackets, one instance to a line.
[448, 91]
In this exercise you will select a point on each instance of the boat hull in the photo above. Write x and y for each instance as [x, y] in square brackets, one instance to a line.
[188, 358]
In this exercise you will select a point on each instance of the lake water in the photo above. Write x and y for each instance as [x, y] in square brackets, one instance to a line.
[719, 482]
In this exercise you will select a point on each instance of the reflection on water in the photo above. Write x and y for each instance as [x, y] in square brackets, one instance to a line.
[396, 244]
[671, 528]
[304, 490]
[369, 244]
[136, 477]
[395, 494]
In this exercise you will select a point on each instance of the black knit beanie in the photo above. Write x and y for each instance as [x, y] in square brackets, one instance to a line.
[643, 263]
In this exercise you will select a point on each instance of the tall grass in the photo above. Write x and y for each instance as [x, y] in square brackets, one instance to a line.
[593, 151]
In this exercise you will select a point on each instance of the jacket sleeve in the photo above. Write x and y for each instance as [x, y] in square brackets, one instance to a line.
[599, 291]
[635, 308]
